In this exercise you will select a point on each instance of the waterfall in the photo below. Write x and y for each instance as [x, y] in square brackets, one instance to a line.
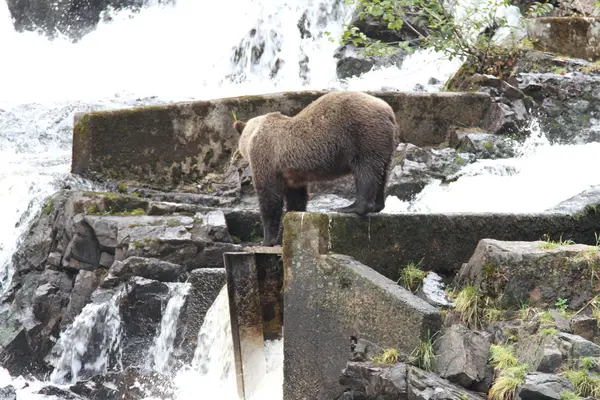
[162, 348]
[91, 345]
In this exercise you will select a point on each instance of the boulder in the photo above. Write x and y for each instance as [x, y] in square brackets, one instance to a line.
[542, 352]
[572, 37]
[353, 62]
[537, 272]
[375, 381]
[539, 386]
[577, 347]
[70, 17]
[582, 203]
[83, 287]
[149, 268]
[586, 327]
[423, 385]
[485, 145]
[461, 357]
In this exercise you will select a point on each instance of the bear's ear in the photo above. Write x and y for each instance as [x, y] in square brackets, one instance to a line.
[239, 126]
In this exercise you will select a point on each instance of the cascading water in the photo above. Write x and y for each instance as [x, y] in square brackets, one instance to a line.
[91, 345]
[162, 348]
[195, 50]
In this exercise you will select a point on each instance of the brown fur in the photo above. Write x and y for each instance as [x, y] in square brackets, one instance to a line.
[340, 133]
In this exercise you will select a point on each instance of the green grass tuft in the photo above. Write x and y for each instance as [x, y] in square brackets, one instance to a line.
[388, 356]
[412, 276]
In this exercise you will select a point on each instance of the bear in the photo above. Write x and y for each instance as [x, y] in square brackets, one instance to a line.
[340, 133]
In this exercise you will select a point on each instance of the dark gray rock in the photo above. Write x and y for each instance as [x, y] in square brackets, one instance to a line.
[58, 393]
[423, 385]
[149, 268]
[408, 180]
[542, 352]
[85, 284]
[83, 251]
[561, 322]
[364, 350]
[486, 145]
[539, 386]
[585, 326]
[577, 346]
[69, 17]
[8, 393]
[532, 272]
[141, 313]
[374, 381]
[352, 62]
[461, 357]
[206, 285]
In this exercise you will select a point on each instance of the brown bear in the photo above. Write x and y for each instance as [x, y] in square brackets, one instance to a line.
[340, 133]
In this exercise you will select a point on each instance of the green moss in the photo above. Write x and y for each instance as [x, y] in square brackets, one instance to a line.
[460, 160]
[489, 145]
[173, 223]
[48, 206]
[387, 356]
[548, 331]
[122, 188]
[235, 240]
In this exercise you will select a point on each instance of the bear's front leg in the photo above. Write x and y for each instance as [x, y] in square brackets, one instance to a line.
[270, 199]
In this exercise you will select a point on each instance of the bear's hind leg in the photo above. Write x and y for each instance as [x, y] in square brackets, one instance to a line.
[270, 199]
[380, 199]
[366, 177]
[296, 199]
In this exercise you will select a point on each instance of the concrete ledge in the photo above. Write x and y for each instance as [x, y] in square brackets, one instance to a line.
[178, 144]
[568, 36]
[331, 300]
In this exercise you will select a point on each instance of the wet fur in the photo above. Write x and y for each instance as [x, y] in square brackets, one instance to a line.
[338, 134]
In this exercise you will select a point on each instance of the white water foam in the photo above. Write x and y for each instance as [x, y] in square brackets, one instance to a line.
[161, 351]
[91, 345]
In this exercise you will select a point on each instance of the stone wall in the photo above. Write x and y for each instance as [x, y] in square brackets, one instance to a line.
[178, 144]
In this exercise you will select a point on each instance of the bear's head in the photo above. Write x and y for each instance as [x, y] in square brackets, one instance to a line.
[246, 131]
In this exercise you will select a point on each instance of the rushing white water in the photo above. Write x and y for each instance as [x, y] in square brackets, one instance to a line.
[213, 369]
[162, 348]
[91, 345]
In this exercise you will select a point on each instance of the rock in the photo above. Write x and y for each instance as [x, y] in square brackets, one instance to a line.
[535, 272]
[461, 357]
[206, 285]
[137, 384]
[149, 268]
[539, 386]
[432, 291]
[408, 180]
[8, 393]
[423, 385]
[485, 145]
[352, 62]
[141, 312]
[83, 252]
[584, 326]
[85, 284]
[567, 104]
[572, 37]
[561, 322]
[374, 381]
[71, 18]
[364, 350]
[577, 346]
[55, 392]
[586, 201]
[541, 352]
[30, 325]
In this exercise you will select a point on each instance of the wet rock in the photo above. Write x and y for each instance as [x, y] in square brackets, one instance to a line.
[408, 180]
[352, 62]
[85, 284]
[535, 272]
[99, 387]
[57, 393]
[378, 29]
[30, 325]
[423, 385]
[83, 251]
[8, 393]
[485, 145]
[374, 381]
[149, 268]
[586, 201]
[539, 386]
[141, 313]
[206, 284]
[578, 347]
[584, 326]
[461, 357]
[136, 384]
[567, 104]
[364, 350]
[432, 291]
